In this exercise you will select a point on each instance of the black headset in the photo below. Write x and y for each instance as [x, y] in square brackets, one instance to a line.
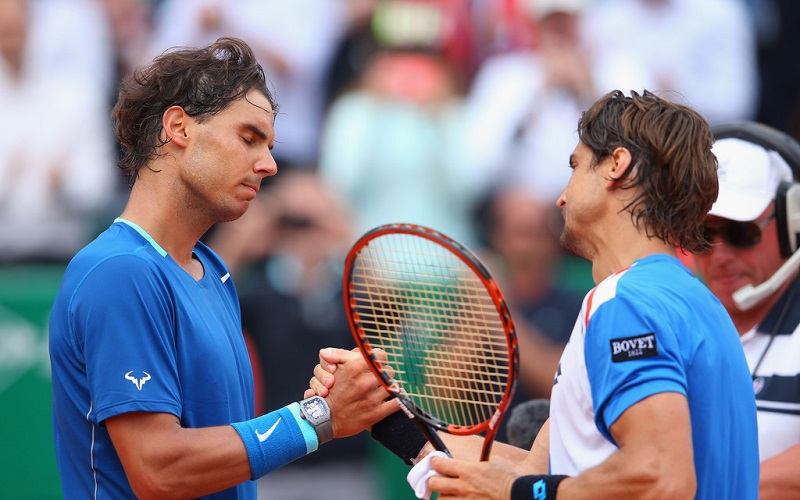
[787, 197]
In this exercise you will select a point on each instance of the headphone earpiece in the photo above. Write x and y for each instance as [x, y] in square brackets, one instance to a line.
[787, 197]
[787, 214]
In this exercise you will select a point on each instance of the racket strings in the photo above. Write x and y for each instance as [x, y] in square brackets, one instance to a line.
[433, 316]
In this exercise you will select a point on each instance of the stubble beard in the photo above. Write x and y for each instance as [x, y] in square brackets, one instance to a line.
[571, 243]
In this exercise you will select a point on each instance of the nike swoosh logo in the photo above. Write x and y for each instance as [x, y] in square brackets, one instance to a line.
[266, 435]
[225, 278]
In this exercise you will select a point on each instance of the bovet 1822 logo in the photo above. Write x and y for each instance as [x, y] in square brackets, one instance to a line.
[631, 348]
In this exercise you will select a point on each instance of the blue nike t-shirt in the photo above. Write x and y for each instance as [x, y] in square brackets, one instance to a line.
[131, 330]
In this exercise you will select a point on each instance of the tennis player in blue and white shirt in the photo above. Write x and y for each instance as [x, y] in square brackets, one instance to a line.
[652, 397]
[654, 329]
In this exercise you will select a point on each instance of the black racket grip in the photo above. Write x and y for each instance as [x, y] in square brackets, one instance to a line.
[432, 436]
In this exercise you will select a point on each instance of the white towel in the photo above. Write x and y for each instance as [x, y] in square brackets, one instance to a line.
[419, 474]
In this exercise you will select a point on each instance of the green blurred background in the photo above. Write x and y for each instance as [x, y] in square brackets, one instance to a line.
[27, 459]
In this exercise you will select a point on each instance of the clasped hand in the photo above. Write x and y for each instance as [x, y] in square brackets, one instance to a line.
[356, 399]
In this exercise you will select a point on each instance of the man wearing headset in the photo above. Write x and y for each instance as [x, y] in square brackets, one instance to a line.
[745, 226]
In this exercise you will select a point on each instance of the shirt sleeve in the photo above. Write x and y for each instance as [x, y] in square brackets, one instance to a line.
[123, 323]
[631, 353]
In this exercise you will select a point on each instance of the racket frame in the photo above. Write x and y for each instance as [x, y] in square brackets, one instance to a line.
[427, 422]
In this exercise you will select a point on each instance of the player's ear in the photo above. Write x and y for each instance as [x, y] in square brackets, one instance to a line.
[175, 122]
[618, 166]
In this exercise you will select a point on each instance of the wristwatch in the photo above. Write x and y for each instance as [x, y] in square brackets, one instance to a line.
[318, 414]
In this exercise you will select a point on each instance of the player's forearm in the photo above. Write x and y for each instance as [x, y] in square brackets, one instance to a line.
[190, 464]
[537, 460]
[467, 447]
[654, 458]
[162, 459]
[779, 477]
[622, 476]
[500, 451]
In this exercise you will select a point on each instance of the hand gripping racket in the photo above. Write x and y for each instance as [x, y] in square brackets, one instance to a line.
[434, 309]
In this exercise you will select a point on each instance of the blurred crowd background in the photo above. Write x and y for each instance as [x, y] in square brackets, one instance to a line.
[456, 114]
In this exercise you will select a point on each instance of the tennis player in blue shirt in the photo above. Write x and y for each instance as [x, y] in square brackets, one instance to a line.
[152, 386]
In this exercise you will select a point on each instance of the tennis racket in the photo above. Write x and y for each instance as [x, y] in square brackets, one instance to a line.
[439, 316]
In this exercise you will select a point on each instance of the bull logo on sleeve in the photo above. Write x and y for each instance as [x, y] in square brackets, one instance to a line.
[138, 382]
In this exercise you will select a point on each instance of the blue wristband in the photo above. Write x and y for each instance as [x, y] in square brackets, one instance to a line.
[536, 487]
[275, 439]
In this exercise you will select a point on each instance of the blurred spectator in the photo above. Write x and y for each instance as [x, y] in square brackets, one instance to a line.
[130, 25]
[294, 41]
[522, 232]
[704, 51]
[57, 174]
[779, 67]
[373, 25]
[131, 29]
[393, 145]
[523, 253]
[287, 255]
[499, 27]
[70, 37]
[445, 25]
[353, 50]
[524, 104]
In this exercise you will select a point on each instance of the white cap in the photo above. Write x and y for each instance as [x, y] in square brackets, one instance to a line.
[749, 176]
[538, 9]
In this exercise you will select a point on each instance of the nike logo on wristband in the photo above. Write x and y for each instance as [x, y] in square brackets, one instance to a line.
[266, 435]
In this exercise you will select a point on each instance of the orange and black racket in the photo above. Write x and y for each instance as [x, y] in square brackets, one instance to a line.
[434, 309]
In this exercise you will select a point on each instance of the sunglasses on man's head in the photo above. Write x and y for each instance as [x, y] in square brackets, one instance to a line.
[737, 234]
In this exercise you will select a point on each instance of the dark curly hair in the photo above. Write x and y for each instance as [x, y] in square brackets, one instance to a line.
[203, 81]
[672, 163]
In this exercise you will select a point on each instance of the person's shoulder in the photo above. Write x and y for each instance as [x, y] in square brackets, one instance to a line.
[655, 272]
[663, 279]
[657, 265]
[645, 278]
[118, 247]
[117, 239]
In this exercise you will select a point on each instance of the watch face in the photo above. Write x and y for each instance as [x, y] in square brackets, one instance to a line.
[314, 408]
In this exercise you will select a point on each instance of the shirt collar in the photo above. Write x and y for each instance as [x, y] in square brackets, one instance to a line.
[773, 324]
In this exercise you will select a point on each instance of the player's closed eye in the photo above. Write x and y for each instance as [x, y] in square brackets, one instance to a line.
[741, 235]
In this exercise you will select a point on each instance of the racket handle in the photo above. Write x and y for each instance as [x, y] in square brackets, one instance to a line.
[433, 437]
[488, 440]
[487, 448]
